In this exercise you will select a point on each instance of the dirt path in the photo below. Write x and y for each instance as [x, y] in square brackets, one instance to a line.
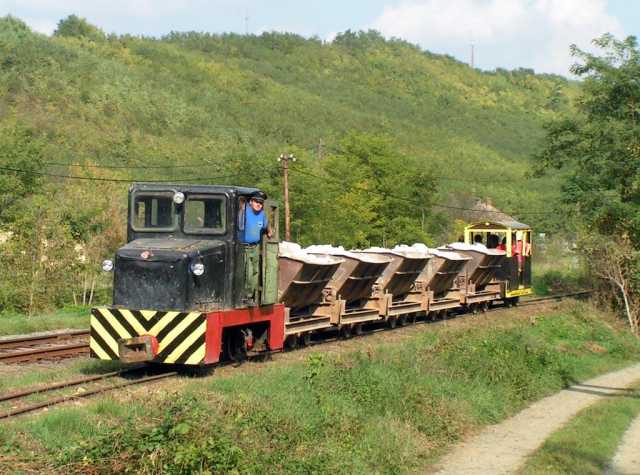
[627, 459]
[503, 448]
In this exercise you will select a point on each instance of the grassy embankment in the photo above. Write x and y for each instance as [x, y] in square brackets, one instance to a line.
[71, 317]
[394, 406]
[588, 443]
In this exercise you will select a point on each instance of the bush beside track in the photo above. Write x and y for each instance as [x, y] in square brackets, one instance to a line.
[392, 406]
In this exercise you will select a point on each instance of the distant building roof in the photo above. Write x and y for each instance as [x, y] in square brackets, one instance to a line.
[484, 211]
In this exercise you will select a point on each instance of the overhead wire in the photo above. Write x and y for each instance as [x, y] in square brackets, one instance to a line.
[224, 177]
[126, 167]
[114, 180]
[409, 200]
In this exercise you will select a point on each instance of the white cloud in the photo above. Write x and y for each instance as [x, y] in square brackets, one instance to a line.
[507, 33]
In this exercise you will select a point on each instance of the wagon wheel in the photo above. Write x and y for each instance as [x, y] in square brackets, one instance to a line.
[305, 339]
[392, 322]
[293, 341]
[345, 331]
[485, 307]
[402, 320]
[358, 329]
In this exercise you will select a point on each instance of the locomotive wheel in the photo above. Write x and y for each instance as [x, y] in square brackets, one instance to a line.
[234, 347]
[358, 330]
[392, 322]
[402, 320]
[345, 331]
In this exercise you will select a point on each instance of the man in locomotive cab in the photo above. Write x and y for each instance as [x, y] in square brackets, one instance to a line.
[256, 223]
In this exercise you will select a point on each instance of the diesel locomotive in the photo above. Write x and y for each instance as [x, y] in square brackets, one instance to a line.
[180, 283]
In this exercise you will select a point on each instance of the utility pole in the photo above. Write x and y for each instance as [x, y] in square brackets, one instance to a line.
[472, 56]
[246, 23]
[284, 159]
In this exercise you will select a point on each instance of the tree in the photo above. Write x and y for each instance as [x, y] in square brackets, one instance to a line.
[78, 27]
[599, 146]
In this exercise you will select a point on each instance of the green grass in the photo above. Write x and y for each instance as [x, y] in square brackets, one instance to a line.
[557, 268]
[589, 441]
[390, 408]
[72, 317]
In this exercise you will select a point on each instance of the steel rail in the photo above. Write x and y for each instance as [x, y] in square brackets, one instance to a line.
[65, 384]
[72, 349]
[31, 340]
[91, 392]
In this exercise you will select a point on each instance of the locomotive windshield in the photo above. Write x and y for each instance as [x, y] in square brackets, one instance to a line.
[153, 212]
[205, 214]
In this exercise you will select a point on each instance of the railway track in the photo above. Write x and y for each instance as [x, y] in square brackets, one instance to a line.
[30, 348]
[24, 407]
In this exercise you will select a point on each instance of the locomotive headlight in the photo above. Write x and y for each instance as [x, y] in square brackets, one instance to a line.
[107, 265]
[197, 268]
[178, 197]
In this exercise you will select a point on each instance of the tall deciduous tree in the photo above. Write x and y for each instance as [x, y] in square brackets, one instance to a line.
[600, 148]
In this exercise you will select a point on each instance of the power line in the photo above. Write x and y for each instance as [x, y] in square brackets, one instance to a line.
[408, 200]
[126, 167]
[114, 180]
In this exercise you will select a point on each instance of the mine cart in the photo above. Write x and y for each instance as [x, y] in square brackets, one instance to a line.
[352, 284]
[439, 280]
[515, 239]
[477, 283]
[395, 294]
[302, 283]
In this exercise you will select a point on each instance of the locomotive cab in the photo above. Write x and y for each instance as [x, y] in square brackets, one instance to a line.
[515, 239]
[183, 251]
[180, 281]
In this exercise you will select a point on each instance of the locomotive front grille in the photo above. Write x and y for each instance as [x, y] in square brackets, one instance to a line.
[180, 336]
[150, 284]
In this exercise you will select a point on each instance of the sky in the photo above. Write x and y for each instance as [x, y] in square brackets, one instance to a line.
[505, 33]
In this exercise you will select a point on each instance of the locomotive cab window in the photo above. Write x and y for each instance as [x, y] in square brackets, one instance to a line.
[153, 212]
[205, 214]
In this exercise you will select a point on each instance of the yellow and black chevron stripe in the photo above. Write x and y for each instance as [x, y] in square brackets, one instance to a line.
[180, 335]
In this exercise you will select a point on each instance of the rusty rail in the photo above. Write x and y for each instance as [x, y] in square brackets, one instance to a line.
[91, 392]
[32, 340]
[25, 356]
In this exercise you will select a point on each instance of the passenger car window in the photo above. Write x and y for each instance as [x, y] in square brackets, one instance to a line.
[205, 215]
[153, 212]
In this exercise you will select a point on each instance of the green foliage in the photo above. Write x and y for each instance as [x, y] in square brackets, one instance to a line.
[20, 149]
[600, 145]
[78, 27]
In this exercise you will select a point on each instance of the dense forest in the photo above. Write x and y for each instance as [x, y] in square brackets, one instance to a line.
[392, 142]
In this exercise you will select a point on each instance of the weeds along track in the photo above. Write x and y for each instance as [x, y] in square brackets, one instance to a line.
[22, 402]
[30, 348]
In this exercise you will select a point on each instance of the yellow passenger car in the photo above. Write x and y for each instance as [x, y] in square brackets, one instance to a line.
[515, 239]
